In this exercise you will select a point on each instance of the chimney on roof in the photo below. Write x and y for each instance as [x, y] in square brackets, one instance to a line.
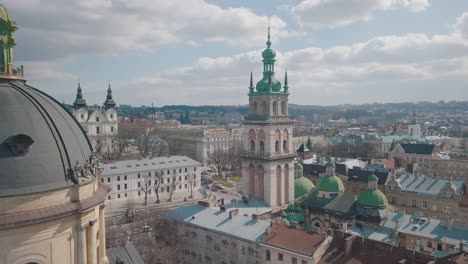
[233, 213]
[254, 216]
[450, 224]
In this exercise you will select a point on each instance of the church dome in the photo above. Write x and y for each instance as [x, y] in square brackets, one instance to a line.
[373, 199]
[372, 177]
[302, 186]
[269, 54]
[4, 15]
[298, 166]
[264, 83]
[41, 144]
[330, 183]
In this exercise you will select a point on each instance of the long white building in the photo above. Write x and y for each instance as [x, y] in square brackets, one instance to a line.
[131, 179]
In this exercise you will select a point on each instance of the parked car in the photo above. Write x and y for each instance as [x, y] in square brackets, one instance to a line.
[224, 190]
[219, 186]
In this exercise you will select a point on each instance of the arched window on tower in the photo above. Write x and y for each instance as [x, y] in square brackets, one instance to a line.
[264, 108]
[262, 147]
[2, 58]
[283, 108]
[285, 140]
[255, 110]
[252, 146]
[275, 108]
[277, 146]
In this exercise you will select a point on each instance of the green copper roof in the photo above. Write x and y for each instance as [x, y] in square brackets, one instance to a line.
[330, 184]
[291, 207]
[373, 198]
[4, 15]
[268, 84]
[79, 101]
[298, 218]
[7, 39]
[372, 177]
[298, 166]
[302, 186]
[109, 103]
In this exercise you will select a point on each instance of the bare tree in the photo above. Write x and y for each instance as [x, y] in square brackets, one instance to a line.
[145, 142]
[191, 179]
[157, 238]
[172, 186]
[145, 187]
[158, 180]
[220, 159]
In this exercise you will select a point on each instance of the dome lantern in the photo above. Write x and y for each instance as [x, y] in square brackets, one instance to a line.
[7, 43]
[373, 197]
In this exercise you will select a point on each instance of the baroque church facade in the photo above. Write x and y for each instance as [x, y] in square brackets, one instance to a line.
[51, 198]
[267, 160]
[100, 123]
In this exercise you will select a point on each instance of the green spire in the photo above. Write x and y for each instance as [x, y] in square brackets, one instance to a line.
[286, 86]
[413, 122]
[268, 41]
[79, 101]
[265, 85]
[109, 103]
[251, 87]
[7, 43]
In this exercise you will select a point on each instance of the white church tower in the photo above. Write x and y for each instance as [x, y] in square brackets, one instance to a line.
[414, 129]
[100, 124]
[267, 160]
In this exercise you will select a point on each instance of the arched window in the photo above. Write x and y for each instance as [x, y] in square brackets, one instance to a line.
[285, 146]
[252, 146]
[97, 118]
[286, 183]
[261, 135]
[251, 180]
[262, 147]
[252, 134]
[275, 108]
[277, 146]
[255, 110]
[283, 108]
[264, 108]
[279, 185]
[261, 184]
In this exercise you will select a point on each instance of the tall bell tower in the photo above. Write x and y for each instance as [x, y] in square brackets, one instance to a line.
[267, 160]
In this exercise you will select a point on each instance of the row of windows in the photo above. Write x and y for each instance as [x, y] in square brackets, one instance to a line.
[150, 174]
[424, 204]
[294, 260]
[264, 109]
[262, 146]
[98, 130]
[224, 139]
[161, 190]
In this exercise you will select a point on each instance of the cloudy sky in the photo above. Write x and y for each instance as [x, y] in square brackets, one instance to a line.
[201, 52]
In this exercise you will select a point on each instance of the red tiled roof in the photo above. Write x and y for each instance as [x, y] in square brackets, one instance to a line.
[292, 239]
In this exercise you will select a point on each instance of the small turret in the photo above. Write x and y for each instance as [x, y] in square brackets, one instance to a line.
[7, 43]
[286, 86]
[109, 103]
[80, 102]
[251, 87]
